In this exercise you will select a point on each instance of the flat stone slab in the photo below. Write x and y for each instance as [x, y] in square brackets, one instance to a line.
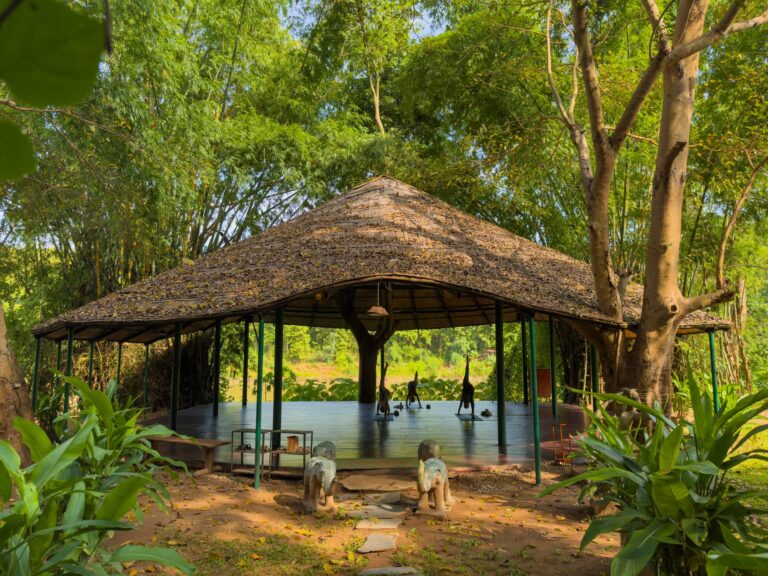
[382, 524]
[373, 511]
[389, 570]
[386, 498]
[371, 483]
[378, 543]
[344, 497]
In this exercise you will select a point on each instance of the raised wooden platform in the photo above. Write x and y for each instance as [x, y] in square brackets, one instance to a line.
[363, 443]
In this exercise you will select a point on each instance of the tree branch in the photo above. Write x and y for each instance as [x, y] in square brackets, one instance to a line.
[719, 31]
[658, 25]
[720, 269]
[567, 117]
[642, 90]
[591, 81]
[702, 301]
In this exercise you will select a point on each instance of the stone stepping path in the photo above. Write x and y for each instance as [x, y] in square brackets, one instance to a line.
[376, 524]
[372, 511]
[386, 498]
[378, 543]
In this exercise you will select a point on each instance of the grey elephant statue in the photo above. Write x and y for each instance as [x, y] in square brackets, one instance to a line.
[320, 478]
[429, 449]
[433, 481]
[325, 449]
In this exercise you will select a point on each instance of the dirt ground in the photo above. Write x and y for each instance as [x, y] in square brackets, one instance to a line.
[496, 526]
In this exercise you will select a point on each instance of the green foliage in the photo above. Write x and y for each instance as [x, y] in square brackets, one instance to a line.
[77, 491]
[678, 507]
[49, 56]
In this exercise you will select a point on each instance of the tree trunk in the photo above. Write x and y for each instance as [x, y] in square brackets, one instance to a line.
[14, 396]
[368, 345]
[663, 304]
[367, 358]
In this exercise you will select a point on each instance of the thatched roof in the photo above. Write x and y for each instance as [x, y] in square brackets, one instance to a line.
[443, 267]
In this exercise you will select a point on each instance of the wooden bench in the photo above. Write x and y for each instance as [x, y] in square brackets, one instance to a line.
[208, 446]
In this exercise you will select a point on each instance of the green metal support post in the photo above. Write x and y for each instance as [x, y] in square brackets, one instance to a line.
[246, 347]
[525, 362]
[216, 366]
[535, 401]
[277, 400]
[36, 374]
[713, 366]
[500, 395]
[176, 376]
[259, 396]
[552, 365]
[146, 376]
[90, 364]
[68, 366]
[595, 377]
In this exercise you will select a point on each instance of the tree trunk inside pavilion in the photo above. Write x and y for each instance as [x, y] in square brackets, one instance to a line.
[368, 345]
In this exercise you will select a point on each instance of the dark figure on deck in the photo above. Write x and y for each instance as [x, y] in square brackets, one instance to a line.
[384, 394]
[467, 392]
[413, 394]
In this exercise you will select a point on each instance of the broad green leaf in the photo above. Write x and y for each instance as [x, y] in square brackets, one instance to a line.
[165, 556]
[49, 53]
[756, 430]
[121, 499]
[33, 437]
[594, 476]
[95, 398]
[671, 496]
[76, 504]
[9, 467]
[638, 551]
[705, 467]
[695, 529]
[670, 449]
[62, 456]
[17, 157]
[39, 542]
[755, 563]
[606, 524]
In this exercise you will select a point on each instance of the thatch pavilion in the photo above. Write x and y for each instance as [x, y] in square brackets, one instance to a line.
[384, 244]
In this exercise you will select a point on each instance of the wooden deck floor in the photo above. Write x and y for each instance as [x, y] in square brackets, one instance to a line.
[362, 442]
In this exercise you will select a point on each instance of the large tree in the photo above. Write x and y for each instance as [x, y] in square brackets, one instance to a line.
[679, 39]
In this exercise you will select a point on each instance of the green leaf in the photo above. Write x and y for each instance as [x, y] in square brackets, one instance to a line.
[754, 563]
[33, 437]
[49, 53]
[76, 504]
[705, 467]
[671, 496]
[121, 498]
[9, 469]
[670, 449]
[96, 399]
[594, 476]
[696, 530]
[638, 551]
[608, 524]
[62, 456]
[164, 556]
[17, 157]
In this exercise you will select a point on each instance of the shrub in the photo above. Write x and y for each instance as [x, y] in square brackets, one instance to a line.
[678, 510]
[76, 491]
